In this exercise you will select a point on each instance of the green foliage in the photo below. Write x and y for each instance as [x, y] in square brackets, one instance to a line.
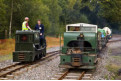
[2, 15]
[113, 68]
[84, 18]
[110, 9]
[55, 14]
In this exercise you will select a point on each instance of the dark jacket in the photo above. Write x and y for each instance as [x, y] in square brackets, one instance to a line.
[40, 27]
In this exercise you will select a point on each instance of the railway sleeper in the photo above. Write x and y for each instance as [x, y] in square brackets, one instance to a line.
[3, 78]
[86, 78]
[10, 77]
[72, 77]
[77, 74]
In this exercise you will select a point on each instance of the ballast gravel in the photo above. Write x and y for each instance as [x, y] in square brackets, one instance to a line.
[112, 49]
[6, 63]
[10, 62]
[42, 72]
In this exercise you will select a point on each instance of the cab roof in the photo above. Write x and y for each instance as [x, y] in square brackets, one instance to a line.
[81, 25]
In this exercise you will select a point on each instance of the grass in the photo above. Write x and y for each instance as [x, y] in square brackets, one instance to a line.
[5, 57]
[52, 42]
[114, 69]
[116, 57]
[7, 46]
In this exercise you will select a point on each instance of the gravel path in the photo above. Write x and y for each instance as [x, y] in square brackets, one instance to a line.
[108, 59]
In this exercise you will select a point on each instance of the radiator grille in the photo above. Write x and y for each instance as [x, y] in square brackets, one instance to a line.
[76, 62]
[21, 57]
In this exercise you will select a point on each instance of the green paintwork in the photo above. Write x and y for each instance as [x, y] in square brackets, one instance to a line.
[27, 48]
[65, 59]
[87, 59]
[83, 51]
[28, 56]
[90, 37]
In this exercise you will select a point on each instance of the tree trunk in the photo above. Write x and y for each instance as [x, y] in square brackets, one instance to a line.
[6, 36]
[11, 16]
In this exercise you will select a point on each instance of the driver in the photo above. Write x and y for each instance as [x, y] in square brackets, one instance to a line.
[40, 26]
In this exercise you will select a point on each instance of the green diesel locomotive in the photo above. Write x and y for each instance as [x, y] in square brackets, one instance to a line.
[27, 46]
[82, 42]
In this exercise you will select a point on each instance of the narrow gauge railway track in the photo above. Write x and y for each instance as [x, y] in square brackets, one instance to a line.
[73, 75]
[10, 71]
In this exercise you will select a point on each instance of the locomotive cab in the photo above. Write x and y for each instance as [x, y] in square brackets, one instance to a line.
[27, 46]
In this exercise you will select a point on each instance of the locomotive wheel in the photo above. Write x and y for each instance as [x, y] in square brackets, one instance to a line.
[40, 56]
[37, 57]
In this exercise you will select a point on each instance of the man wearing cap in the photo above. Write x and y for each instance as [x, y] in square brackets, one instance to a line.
[25, 25]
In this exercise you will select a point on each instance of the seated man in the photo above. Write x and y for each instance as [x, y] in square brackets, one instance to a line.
[40, 27]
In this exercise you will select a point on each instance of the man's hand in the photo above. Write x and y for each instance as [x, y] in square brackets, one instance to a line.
[40, 33]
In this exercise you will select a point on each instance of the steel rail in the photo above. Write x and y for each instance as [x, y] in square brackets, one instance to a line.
[15, 67]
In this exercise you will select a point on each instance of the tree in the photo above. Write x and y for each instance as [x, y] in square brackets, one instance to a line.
[55, 11]
[110, 10]
[2, 15]
[55, 14]
[11, 16]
